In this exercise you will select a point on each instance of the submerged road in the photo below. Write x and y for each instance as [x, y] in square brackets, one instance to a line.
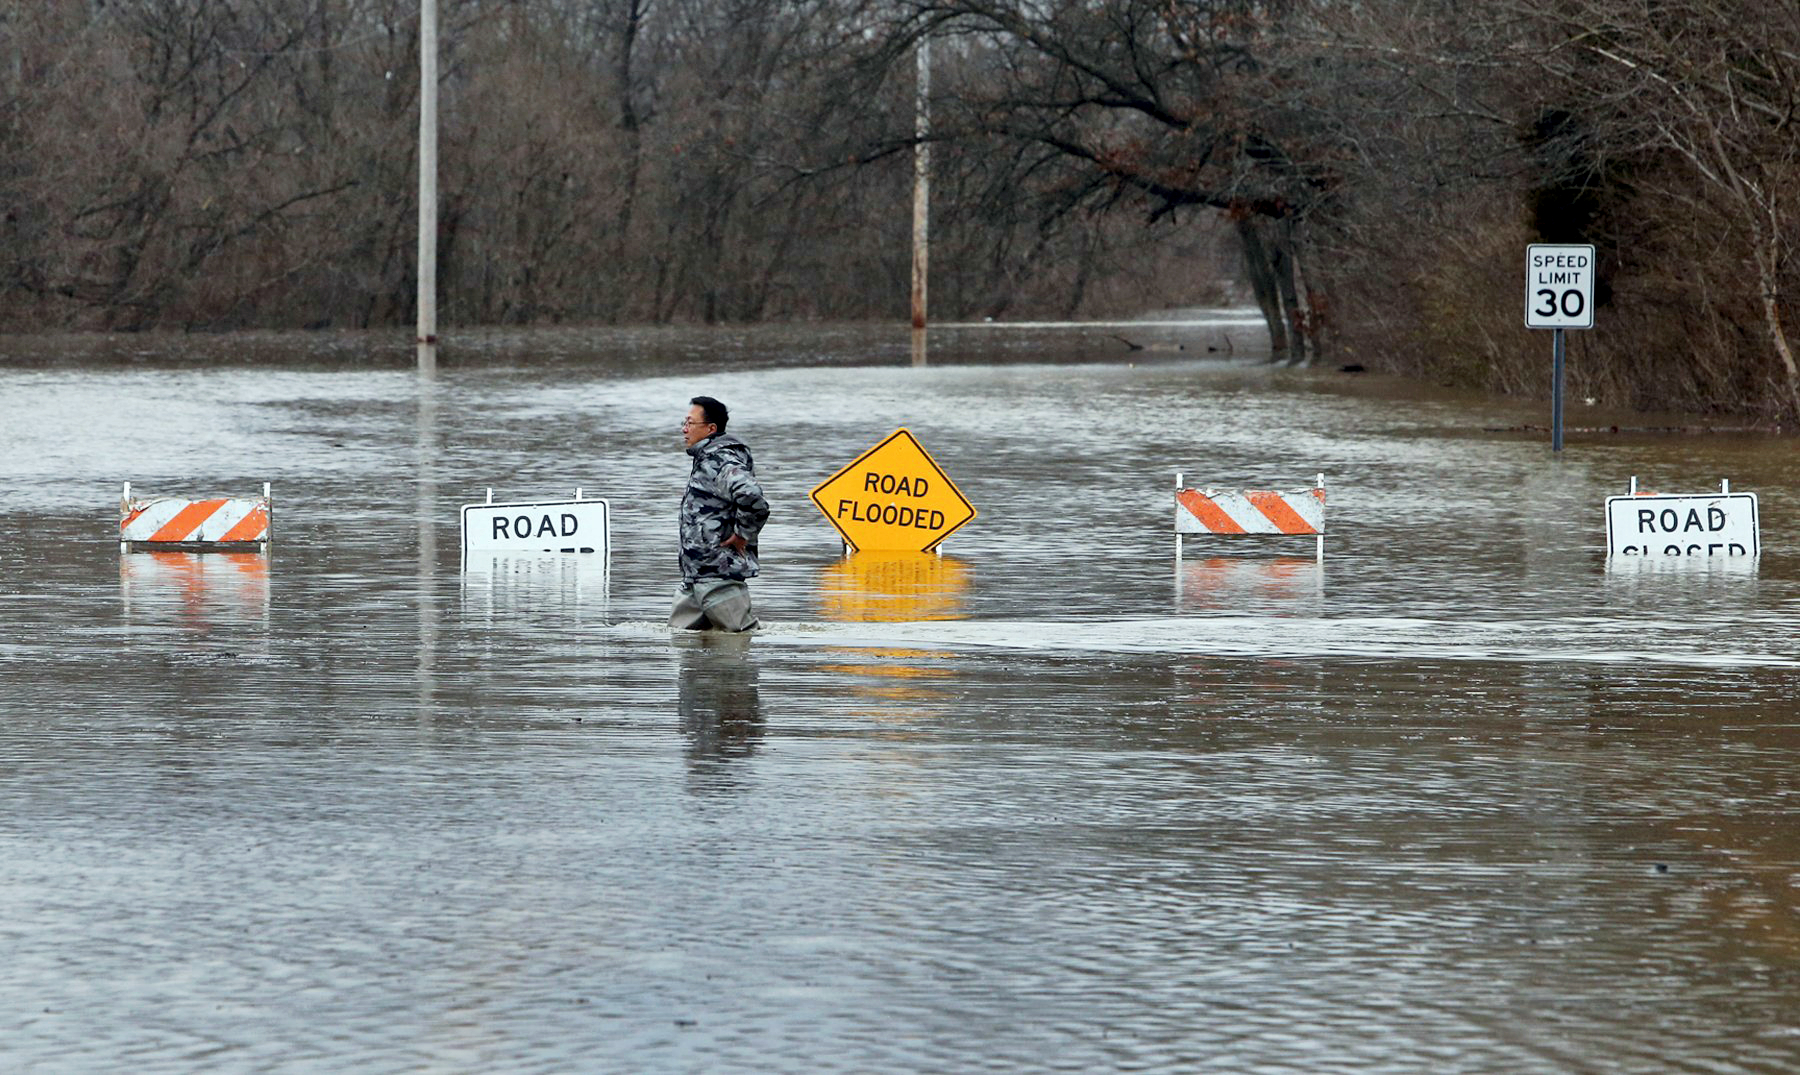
[1463, 797]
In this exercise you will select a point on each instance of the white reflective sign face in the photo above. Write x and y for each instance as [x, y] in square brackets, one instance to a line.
[1559, 286]
[1688, 526]
[536, 526]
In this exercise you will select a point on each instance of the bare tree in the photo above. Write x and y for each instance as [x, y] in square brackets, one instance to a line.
[1715, 83]
[1178, 106]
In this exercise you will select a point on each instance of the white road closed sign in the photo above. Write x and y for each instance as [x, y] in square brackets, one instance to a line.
[1722, 524]
[1559, 286]
[578, 526]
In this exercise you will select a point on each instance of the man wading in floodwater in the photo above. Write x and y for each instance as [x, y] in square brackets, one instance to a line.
[721, 514]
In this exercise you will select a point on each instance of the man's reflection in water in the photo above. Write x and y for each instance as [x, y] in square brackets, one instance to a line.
[721, 715]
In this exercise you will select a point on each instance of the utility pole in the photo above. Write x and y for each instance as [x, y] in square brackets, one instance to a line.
[428, 173]
[921, 184]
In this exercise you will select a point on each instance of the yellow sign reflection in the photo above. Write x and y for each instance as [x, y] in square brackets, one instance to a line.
[896, 684]
[893, 587]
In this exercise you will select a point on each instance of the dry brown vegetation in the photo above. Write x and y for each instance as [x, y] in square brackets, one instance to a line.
[210, 164]
[1372, 172]
[1661, 131]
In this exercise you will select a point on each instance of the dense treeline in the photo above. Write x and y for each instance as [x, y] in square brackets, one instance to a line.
[1371, 172]
[223, 163]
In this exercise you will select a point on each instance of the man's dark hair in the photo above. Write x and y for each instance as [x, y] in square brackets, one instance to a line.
[715, 412]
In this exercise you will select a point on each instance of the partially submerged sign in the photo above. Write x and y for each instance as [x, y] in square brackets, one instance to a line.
[216, 523]
[1250, 511]
[536, 526]
[1703, 525]
[893, 497]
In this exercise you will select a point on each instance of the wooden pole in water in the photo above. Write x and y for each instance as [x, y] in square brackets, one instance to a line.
[428, 169]
[921, 183]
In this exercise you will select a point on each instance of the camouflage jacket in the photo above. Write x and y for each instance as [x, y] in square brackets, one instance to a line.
[722, 499]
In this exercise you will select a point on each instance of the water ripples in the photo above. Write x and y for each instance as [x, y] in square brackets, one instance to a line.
[1462, 797]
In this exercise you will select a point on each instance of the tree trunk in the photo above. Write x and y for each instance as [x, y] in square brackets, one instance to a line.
[1259, 265]
[1768, 256]
[1282, 263]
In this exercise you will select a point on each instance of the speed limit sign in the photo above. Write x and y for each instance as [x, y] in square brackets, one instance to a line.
[1559, 286]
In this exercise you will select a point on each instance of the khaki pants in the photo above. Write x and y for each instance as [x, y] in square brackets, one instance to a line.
[721, 604]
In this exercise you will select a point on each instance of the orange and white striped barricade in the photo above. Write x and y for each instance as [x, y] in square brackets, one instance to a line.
[1233, 511]
[230, 524]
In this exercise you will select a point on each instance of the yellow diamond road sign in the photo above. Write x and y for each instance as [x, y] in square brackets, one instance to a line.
[893, 497]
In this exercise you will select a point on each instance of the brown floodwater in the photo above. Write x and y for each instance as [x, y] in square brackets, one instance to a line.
[1465, 796]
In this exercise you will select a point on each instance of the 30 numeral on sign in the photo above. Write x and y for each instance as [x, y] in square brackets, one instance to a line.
[1570, 303]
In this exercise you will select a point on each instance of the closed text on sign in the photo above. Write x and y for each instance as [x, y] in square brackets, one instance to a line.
[1682, 526]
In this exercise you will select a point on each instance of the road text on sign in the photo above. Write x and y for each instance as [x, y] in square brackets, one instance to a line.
[1559, 286]
[1722, 524]
[893, 497]
[535, 526]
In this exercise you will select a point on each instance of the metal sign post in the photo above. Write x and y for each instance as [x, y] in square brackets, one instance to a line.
[1559, 295]
[1558, 348]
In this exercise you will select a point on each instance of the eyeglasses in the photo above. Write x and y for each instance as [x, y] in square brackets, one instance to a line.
[689, 423]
